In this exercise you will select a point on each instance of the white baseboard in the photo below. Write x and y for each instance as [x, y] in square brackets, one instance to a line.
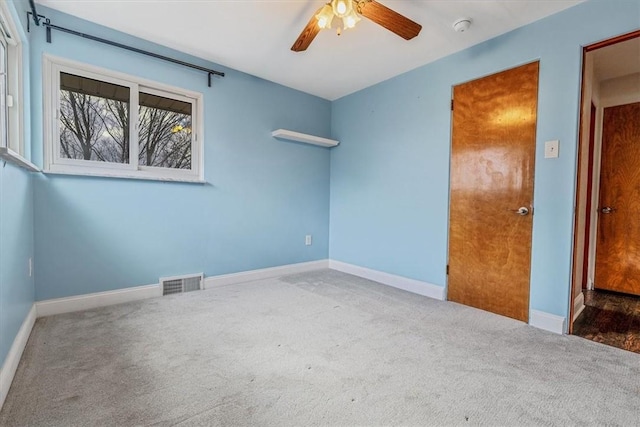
[15, 353]
[98, 299]
[119, 296]
[578, 305]
[547, 321]
[264, 273]
[411, 285]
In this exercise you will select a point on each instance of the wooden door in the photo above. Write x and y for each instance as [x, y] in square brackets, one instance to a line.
[492, 167]
[618, 242]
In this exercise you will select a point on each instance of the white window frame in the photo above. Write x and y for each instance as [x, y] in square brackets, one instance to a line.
[54, 163]
[12, 104]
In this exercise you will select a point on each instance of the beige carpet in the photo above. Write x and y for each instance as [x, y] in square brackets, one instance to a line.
[321, 348]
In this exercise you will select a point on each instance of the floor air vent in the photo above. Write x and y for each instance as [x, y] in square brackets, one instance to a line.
[180, 284]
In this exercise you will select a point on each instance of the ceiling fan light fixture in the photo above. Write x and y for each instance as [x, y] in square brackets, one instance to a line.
[350, 11]
[325, 17]
[350, 20]
[342, 8]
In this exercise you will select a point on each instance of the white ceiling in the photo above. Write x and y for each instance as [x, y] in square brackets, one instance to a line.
[618, 60]
[256, 36]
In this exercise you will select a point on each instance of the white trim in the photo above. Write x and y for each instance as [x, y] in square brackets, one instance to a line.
[6, 17]
[264, 273]
[15, 82]
[547, 321]
[595, 196]
[578, 305]
[49, 120]
[10, 365]
[411, 285]
[94, 300]
[9, 155]
[93, 173]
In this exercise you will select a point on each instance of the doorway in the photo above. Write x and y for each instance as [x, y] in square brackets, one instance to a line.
[491, 195]
[606, 263]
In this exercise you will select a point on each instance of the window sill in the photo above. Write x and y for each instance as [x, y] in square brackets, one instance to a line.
[125, 176]
[15, 158]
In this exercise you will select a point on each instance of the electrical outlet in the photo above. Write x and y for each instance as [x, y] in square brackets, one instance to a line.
[307, 240]
[30, 267]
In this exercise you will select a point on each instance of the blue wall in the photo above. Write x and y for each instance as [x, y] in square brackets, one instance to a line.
[16, 247]
[261, 198]
[390, 174]
[16, 235]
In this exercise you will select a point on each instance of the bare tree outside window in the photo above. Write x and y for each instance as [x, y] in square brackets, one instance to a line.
[117, 125]
[94, 119]
[165, 132]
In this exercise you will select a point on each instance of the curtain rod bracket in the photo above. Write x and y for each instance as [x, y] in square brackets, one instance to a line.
[36, 20]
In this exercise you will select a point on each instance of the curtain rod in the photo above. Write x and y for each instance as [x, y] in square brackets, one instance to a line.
[46, 22]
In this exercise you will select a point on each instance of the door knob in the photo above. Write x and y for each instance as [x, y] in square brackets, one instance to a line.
[523, 210]
[607, 210]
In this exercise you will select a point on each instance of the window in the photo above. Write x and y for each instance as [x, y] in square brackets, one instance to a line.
[4, 110]
[104, 123]
[10, 84]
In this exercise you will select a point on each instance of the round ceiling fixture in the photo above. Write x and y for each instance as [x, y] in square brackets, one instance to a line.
[462, 25]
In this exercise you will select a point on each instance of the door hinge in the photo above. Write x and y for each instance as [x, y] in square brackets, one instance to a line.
[452, 105]
[447, 269]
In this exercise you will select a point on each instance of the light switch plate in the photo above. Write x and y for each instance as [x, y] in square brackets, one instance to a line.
[551, 149]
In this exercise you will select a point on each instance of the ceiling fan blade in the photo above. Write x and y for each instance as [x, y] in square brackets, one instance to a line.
[392, 21]
[307, 35]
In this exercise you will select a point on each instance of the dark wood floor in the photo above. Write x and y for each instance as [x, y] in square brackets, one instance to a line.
[610, 318]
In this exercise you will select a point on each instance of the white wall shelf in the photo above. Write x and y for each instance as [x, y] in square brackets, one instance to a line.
[15, 158]
[303, 137]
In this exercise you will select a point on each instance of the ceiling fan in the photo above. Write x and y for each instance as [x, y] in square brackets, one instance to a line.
[349, 11]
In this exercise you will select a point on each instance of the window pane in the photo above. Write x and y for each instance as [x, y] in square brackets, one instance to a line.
[165, 132]
[94, 120]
